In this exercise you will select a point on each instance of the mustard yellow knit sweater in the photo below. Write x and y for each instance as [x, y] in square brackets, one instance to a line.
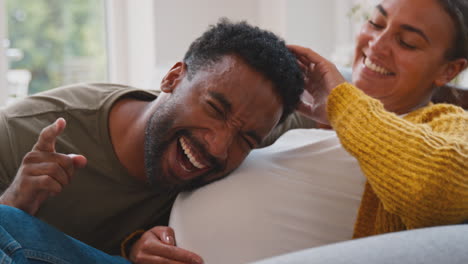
[416, 166]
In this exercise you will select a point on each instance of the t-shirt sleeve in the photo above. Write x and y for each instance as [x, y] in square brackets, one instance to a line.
[6, 156]
[295, 120]
[3, 179]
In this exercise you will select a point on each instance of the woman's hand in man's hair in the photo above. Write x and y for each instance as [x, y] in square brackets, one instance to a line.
[320, 76]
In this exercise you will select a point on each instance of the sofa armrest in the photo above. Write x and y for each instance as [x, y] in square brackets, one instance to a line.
[452, 95]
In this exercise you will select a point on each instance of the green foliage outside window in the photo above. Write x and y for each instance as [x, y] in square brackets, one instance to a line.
[62, 41]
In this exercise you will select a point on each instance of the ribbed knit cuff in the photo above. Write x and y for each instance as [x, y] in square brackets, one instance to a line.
[341, 101]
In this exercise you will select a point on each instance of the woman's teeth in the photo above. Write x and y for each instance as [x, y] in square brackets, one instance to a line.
[189, 154]
[369, 64]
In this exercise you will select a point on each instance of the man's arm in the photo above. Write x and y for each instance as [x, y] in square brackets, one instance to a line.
[3, 180]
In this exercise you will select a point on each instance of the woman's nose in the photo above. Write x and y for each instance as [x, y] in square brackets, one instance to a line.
[379, 43]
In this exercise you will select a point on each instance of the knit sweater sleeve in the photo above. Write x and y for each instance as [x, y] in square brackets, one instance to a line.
[418, 168]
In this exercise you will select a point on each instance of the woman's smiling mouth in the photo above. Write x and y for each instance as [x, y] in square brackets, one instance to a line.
[376, 68]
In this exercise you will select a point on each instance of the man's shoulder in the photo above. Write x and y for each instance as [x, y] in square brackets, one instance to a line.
[82, 96]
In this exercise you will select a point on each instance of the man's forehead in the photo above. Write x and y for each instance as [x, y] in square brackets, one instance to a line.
[225, 64]
[238, 87]
[232, 72]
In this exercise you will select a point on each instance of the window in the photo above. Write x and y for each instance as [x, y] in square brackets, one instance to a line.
[54, 42]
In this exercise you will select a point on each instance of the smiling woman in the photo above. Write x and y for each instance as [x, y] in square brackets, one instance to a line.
[403, 54]
[408, 53]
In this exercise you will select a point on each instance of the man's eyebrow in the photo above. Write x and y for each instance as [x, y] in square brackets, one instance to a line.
[227, 107]
[382, 10]
[255, 136]
[415, 30]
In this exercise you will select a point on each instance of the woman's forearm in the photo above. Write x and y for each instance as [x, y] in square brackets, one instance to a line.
[417, 166]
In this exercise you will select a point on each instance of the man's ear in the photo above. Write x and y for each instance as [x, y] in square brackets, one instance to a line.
[450, 71]
[173, 77]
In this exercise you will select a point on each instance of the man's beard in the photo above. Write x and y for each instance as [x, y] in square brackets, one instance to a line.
[156, 144]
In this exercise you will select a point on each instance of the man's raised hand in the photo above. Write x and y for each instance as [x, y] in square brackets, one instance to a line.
[43, 172]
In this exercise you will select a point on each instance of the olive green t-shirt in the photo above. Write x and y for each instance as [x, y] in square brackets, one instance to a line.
[103, 203]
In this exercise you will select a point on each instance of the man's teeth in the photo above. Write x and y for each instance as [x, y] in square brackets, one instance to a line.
[369, 64]
[189, 154]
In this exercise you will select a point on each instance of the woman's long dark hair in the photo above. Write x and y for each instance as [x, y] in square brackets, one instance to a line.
[458, 11]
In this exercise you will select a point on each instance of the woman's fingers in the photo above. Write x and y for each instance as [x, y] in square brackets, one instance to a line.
[306, 54]
[305, 108]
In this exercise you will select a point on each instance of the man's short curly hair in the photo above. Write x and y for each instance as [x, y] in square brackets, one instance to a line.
[261, 49]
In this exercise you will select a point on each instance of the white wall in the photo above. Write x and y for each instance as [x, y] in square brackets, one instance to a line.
[179, 22]
[312, 23]
[149, 36]
[272, 16]
[324, 26]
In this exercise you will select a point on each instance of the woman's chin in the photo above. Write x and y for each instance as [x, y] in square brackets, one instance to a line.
[370, 90]
[374, 89]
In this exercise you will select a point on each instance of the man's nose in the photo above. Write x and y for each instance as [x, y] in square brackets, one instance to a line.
[219, 140]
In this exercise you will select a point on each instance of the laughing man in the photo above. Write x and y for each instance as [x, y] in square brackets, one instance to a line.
[136, 149]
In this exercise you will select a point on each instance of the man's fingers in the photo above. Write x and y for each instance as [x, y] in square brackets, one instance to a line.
[166, 250]
[174, 253]
[157, 245]
[165, 234]
[47, 184]
[51, 169]
[150, 259]
[66, 162]
[79, 161]
[48, 136]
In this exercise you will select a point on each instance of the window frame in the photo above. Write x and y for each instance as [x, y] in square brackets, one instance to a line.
[3, 59]
[131, 42]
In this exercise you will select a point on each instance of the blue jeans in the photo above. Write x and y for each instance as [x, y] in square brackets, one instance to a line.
[26, 240]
